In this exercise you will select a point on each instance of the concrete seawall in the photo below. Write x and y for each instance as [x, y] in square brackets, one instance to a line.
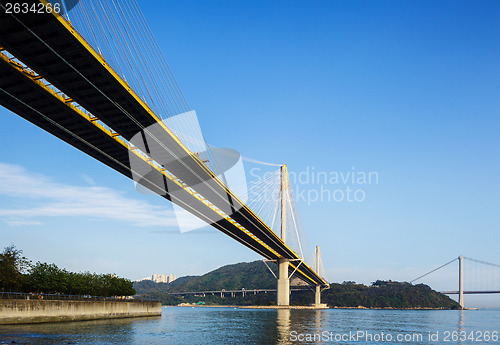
[13, 311]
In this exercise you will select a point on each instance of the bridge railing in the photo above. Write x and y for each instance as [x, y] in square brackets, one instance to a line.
[59, 297]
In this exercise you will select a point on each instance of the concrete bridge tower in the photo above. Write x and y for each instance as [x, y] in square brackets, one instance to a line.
[317, 294]
[461, 281]
[283, 286]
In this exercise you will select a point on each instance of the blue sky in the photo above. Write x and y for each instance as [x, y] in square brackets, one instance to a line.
[406, 89]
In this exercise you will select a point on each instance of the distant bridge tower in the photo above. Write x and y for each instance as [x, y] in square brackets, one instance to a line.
[283, 286]
[461, 281]
[494, 275]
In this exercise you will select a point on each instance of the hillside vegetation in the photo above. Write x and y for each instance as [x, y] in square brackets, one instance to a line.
[255, 275]
[386, 294]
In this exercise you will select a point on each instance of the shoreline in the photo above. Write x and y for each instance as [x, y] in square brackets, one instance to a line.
[298, 307]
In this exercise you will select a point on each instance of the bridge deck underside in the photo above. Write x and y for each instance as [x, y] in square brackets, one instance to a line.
[52, 48]
[33, 103]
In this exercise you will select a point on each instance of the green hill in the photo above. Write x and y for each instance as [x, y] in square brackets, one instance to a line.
[247, 275]
[255, 275]
[386, 294]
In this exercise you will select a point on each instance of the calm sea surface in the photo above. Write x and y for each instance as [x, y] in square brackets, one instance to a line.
[179, 325]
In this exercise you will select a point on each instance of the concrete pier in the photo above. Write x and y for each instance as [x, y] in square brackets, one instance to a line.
[317, 296]
[283, 286]
[317, 293]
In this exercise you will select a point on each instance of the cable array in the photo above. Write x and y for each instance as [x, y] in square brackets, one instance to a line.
[434, 270]
[119, 32]
[264, 196]
[481, 275]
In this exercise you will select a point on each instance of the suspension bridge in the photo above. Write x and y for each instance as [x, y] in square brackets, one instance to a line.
[95, 78]
[479, 277]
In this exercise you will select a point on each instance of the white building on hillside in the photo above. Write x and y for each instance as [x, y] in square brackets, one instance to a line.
[163, 278]
[160, 278]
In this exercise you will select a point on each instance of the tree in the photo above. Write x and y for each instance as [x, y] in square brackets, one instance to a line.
[12, 267]
[48, 278]
[18, 274]
[380, 282]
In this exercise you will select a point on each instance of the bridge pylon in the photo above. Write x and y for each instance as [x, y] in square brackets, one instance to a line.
[461, 281]
[283, 284]
[317, 293]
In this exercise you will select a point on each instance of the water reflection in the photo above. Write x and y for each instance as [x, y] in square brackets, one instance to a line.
[283, 325]
[209, 326]
[118, 331]
[295, 324]
[461, 320]
[317, 320]
[461, 323]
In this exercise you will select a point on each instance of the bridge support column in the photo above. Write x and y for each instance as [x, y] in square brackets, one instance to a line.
[283, 286]
[317, 296]
[461, 281]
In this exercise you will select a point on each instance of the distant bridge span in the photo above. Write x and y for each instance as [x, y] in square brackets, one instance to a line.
[232, 292]
[470, 292]
[461, 292]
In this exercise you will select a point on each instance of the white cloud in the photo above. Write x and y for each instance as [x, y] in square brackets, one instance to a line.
[88, 179]
[20, 222]
[47, 198]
